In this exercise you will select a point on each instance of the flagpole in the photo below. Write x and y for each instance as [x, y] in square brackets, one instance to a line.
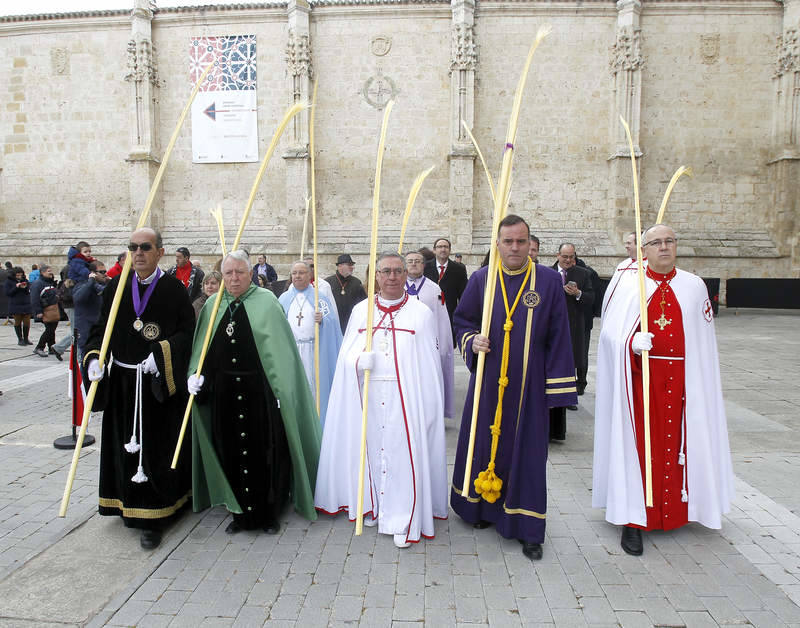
[123, 276]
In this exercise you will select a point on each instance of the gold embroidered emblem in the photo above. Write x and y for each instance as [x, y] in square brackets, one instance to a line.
[151, 331]
[531, 299]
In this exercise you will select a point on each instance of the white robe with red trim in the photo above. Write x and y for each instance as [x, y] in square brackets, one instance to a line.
[617, 478]
[431, 295]
[405, 478]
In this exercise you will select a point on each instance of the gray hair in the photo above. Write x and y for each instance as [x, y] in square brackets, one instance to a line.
[308, 267]
[239, 255]
[391, 255]
[43, 267]
[659, 224]
[212, 274]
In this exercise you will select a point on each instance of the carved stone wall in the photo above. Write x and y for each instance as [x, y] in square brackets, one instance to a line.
[87, 102]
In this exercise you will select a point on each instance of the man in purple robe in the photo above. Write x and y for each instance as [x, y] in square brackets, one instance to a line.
[540, 375]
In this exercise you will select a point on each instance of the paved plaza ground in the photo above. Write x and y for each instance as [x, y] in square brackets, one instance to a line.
[88, 570]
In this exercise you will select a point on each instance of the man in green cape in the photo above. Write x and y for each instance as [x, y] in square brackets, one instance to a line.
[256, 433]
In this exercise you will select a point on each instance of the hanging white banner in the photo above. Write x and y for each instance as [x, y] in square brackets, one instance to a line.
[224, 113]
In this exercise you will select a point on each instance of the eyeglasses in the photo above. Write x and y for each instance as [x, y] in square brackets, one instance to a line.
[102, 272]
[391, 271]
[659, 243]
[145, 246]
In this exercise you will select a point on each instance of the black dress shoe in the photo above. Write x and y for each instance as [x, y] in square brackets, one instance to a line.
[150, 539]
[57, 354]
[233, 528]
[581, 391]
[572, 407]
[632, 541]
[273, 527]
[532, 550]
[481, 525]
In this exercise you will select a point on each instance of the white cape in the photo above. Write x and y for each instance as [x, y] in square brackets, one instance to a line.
[430, 295]
[405, 478]
[617, 479]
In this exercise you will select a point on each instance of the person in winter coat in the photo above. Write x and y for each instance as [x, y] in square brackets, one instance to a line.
[79, 258]
[19, 304]
[44, 302]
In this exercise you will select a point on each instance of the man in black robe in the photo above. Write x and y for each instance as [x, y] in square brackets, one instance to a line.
[347, 288]
[149, 351]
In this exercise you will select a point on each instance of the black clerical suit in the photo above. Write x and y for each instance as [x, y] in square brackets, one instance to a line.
[452, 284]
[576, 312]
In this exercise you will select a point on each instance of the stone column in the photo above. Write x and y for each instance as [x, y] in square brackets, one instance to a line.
[144, 155]
[626, 99]
[299, 72]
[463, 60]
[784, 164]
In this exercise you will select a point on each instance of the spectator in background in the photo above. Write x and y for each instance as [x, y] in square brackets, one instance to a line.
[34, 274]
[262, 268]
[78, 260]
[4, 274]
[19, 304]
[116, 269]
[87, 298]
[211, 284]
[534, 252]
[189, 275]
[44, 303]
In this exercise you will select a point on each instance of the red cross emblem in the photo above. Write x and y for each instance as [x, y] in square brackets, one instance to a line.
[708, 312]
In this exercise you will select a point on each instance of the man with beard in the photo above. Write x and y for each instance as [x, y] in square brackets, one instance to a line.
[143, 398]
[250, 451]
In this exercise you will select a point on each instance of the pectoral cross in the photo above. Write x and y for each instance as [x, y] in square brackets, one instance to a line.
[299, 318]
[663, 321]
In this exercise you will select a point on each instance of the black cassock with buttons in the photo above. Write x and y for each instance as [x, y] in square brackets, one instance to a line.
[246, 425]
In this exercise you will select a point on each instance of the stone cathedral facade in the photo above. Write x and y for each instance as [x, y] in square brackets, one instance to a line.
[90, 100]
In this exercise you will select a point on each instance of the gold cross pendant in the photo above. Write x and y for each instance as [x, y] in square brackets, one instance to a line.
[662, 322]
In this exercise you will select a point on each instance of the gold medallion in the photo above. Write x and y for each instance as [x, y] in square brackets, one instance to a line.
[531, 299]
[151, 331]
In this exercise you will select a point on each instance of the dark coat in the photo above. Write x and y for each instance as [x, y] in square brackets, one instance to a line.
[577, 308]
[270, 274]
[77, 265]
[87, 298]
[453, 283]
[19, 297]
[43, 293]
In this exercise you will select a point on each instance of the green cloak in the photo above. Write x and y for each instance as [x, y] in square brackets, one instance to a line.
[284, 370]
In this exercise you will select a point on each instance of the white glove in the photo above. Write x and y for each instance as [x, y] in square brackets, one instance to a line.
[195, 383]
[149, 365]
[641, 342]
[95, 372]
[366, 361]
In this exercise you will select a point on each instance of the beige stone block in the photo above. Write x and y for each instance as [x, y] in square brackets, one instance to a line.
[19, 96]
[20, 62]
[20, 148]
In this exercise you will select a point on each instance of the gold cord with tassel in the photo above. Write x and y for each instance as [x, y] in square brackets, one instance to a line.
[487, 484]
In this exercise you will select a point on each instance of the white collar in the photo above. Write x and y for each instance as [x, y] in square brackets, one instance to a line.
[389, 303]
[149, 280]
[440, 264]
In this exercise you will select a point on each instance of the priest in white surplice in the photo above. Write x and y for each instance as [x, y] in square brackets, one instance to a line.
[405, 477]
[298, 304]
[420, 287]
[626, 271]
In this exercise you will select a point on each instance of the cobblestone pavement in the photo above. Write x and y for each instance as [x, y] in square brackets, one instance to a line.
[84, 569]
